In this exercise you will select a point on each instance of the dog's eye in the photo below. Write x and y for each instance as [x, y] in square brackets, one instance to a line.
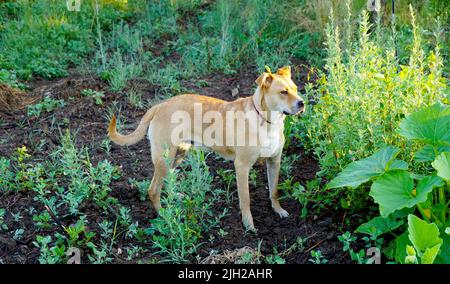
[284, 92]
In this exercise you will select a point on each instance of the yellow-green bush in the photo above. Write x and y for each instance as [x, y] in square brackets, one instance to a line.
[366, 92]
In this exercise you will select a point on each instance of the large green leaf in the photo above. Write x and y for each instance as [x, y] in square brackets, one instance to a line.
[400, 244]
[395, 190]
[444, 254]
[424, 237]
[361, 171]
[442, 165]
[379, 225]
[428, 152]
[430, 255]
[430, 125]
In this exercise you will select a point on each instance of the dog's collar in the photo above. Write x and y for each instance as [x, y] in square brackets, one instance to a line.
[257, 111]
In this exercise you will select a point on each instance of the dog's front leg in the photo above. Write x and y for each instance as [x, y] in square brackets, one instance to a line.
[273, 171]
[242, 172]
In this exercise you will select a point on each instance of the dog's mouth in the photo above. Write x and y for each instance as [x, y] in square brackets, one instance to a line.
[301, 110]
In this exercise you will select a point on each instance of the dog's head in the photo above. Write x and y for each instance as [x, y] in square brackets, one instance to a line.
[279, 93]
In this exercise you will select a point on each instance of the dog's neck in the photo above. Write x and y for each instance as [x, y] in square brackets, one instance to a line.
[259, 104]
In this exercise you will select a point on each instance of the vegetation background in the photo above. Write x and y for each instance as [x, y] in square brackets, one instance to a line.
[64, 73]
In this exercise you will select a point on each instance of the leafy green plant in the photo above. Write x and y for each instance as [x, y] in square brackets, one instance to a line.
[48, 255]
[78, 235]
[275, 259]
[100, 255]
[396, 191]
[142, 187]
[297, 192]
[3, 225]
[42, 220]
[425, 240]
[7, 177]
[10, 78]
[186, 215]
[18, 234]
[85, 181]
[317, 257]
[121, 72]
[228, 176]
[364, 95]
[47, 105]
[96, 95]
[347, 239]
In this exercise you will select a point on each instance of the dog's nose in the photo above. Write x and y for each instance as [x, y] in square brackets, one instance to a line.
[300, 104]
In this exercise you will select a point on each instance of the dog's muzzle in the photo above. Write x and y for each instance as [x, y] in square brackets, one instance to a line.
[301, 106]
[298, 108]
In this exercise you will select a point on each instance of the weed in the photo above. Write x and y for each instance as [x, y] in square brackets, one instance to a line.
[42, 39]
[135, 98]
[347, 239]
[18, 234]
[228, 176]
[186, 214]
[47, 105]
[287, 164]
[275, 259]
[317, 257]
[49, 255]
[96, 95]
[134, 252]
[142, 187]
[3, 225]
[42, 221]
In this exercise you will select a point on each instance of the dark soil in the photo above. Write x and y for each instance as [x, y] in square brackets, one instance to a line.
[89, 122]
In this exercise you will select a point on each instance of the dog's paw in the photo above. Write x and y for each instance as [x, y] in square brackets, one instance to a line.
[283, 213]
[250, 229]
[248, 224]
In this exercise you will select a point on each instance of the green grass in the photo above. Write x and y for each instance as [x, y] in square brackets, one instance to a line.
[43, 38]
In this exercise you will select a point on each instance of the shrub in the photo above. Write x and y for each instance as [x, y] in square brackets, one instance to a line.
[365, 94]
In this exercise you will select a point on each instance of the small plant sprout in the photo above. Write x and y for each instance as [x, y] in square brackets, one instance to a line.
[96, 95]
[317, 257]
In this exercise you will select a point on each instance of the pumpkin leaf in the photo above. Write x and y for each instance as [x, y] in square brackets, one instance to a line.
[430, 125]
[359, 172]
[425, 238]
[395, 190]
[427, 153]
[442, 165]
[378, 226]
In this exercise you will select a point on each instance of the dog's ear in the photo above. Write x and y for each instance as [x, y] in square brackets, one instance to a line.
[284, 71]
[265, 80]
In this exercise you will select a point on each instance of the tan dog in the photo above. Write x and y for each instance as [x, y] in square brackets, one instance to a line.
[275, 97]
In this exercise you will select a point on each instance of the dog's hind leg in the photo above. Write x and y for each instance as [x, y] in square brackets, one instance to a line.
[273, 171]
[160, 163]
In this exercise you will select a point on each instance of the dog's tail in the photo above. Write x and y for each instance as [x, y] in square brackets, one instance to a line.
[136, 135]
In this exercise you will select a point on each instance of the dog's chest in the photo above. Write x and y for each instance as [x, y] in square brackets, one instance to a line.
[272, 142]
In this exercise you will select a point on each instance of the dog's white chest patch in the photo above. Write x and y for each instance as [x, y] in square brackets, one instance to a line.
[271, 143]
